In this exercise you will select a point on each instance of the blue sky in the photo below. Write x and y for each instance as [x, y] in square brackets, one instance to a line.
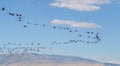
[98, 16]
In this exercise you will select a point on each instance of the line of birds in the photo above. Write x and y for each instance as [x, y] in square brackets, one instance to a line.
[54, 27]
[19, 16]
[12, 48]
[90, 35]
[96, 40]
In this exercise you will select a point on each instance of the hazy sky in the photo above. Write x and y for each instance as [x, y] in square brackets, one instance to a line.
[86, 15]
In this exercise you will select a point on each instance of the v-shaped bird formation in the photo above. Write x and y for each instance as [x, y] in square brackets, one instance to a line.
[90, 37]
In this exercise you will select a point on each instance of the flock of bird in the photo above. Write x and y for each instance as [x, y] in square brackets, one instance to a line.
[13, 48]
[29, 47]
[79, 41]
[19, 16]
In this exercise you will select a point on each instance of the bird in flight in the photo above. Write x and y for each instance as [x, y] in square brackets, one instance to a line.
[3, 9]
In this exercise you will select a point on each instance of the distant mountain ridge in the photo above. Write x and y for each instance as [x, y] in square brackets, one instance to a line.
[48, 60]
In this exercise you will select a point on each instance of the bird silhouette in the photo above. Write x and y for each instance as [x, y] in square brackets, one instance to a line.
[88, 32]
[28, 22]
[70, 31]
[54, 27]
[3, 9]
[80, 35]
[43, 25]
[24, 26]
[12, 14]
[36, 24]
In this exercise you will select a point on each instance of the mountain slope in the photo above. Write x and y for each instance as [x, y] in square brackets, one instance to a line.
[47, 60]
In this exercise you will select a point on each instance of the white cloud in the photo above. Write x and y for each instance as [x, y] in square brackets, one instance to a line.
[76, 24]
[80, 5]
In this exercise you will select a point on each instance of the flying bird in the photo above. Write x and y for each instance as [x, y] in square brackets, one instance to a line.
[3, 8]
